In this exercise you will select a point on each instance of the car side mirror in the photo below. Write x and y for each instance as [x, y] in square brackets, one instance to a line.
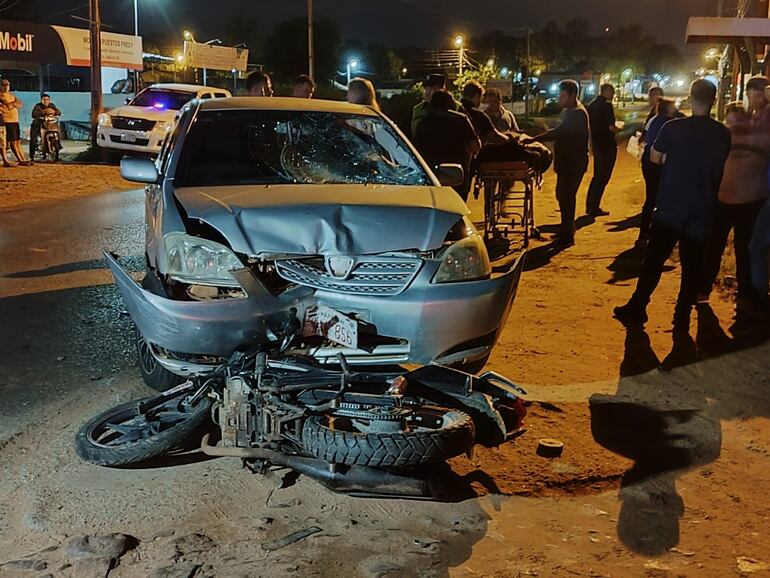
[139, 170]
[450, 175]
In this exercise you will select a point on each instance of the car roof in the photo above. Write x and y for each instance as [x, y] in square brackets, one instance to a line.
[185, 87]
[287, 103]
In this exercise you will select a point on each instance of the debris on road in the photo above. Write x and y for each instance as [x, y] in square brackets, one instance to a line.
[290, 539]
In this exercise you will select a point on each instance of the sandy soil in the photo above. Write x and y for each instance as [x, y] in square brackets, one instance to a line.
[664, 472]
[50, 182]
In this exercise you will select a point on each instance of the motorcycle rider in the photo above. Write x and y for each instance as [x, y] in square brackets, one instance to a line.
[41, 110]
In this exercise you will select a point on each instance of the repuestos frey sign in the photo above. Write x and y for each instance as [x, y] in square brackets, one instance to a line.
[29, 42]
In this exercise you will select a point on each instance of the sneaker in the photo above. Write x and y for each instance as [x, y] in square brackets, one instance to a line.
[630, 313]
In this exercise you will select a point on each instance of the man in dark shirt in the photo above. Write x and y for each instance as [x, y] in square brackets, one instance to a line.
[473, 93]
[692, 152]
[605, 148]
[570, 156]
[447, 136]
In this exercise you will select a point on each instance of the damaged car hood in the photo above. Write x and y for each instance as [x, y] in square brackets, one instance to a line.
[326, 219]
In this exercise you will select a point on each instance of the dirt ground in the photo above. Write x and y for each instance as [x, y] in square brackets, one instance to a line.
[664, 473]
[45, 181]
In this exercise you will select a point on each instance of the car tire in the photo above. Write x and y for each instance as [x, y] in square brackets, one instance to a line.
[154, 375]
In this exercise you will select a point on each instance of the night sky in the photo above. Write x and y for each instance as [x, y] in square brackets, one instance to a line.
[426, 23]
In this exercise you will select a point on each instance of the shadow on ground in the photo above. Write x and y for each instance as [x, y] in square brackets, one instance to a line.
[665, 416]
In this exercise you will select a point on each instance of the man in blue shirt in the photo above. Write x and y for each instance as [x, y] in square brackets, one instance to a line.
[692, 152]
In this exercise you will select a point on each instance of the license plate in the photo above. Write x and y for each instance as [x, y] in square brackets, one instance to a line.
[333, 325]
[126, 137]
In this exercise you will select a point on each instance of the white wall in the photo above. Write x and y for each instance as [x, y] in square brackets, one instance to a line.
[73, 105]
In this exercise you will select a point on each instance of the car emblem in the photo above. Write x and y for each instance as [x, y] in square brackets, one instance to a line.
[340, 267]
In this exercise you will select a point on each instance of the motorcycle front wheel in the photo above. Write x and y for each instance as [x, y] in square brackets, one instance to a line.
[438, 435]
[127, 435]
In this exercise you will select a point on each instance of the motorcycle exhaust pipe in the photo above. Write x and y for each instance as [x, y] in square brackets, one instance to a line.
[360, 481]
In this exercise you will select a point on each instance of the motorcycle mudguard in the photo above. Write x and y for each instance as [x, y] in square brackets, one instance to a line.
[468, 393]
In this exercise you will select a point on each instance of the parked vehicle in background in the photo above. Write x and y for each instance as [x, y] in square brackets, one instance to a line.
[309, 223]
[143, 123]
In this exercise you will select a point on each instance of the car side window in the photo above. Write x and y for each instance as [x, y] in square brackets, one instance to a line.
[220, 95]
[168, 147]
[205, 95]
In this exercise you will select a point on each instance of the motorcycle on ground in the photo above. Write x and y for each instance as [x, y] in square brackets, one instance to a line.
[358, 432]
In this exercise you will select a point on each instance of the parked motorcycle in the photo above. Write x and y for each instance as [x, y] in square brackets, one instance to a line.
[357, 432]
[50, 137]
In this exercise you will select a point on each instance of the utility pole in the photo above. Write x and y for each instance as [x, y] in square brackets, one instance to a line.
[529, 73]
[310, 55]
[96, 66]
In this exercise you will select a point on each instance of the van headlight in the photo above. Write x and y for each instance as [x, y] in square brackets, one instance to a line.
[105, 119]
[465, 260]
[200, 261]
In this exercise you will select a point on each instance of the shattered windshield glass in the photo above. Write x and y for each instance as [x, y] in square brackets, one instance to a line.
[247, 147]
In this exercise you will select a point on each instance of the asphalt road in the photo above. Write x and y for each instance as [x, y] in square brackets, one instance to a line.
[62, 324]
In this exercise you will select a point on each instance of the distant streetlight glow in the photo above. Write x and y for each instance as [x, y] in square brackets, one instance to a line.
[188, 35]
[504, 72]
[459, 43]
[352, 65]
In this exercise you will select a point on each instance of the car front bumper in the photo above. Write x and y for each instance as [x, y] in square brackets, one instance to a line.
[144, 141]
[443, 323]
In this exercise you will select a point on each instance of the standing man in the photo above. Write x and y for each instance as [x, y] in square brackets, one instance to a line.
[570, 156]
[9, 108]
[304, 87]
[502, 118]
[653, 97]
[431, 84]
[605, 148]
[447, 136]
[473, 93]
[693, 152]
[42, 109]
[258, 83]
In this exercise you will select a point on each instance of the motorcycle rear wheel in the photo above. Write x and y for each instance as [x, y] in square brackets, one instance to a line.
[392, 449]
[122, 436]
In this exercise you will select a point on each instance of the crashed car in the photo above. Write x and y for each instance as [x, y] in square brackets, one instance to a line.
[310, 224]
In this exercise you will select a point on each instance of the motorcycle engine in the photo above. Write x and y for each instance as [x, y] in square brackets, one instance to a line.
[237, 415]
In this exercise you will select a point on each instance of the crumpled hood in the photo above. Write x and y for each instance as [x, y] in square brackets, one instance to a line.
[326, 219]
[144, 112]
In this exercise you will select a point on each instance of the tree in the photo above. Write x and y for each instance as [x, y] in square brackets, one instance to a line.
[285, 50]
[241, 29]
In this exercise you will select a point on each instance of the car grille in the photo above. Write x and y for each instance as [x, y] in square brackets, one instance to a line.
[369, 275]
[142, 142]
[128, 123]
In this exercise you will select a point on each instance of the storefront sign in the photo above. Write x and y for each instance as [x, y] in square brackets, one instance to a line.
[30, 42]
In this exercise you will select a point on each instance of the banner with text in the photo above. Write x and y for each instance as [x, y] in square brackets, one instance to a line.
[199, 55]
[29, 42]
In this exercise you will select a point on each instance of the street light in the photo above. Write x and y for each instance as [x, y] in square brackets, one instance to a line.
[459, 44]
[352, 65]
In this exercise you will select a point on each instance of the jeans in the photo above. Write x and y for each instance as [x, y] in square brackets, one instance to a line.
[567, 185]
[663, 239]
[651, 173]
[741, 219]
[604, 164]
[34, 135]
[758, 250]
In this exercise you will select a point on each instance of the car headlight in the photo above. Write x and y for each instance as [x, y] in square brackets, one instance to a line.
[200, 261]
[465, 260]
[105, 119]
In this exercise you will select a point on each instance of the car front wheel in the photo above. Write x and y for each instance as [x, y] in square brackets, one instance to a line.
[153, 373]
